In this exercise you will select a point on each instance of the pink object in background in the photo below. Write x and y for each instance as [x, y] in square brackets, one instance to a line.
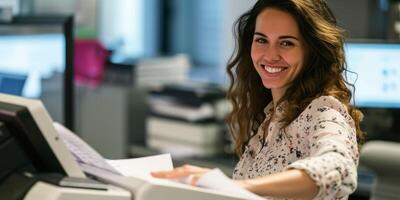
[90, 58]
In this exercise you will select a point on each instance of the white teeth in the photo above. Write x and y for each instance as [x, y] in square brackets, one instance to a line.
[273, 69]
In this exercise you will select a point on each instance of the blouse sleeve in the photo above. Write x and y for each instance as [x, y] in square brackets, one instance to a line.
[333, 158]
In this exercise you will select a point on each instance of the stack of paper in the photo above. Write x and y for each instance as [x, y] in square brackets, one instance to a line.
[214, 179]
[134, 175]
[155, 72]
[186, 120]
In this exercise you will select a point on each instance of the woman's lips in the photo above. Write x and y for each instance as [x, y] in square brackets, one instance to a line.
[273, 69]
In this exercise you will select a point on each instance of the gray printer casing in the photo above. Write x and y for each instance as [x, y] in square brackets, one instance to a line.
[118, 188]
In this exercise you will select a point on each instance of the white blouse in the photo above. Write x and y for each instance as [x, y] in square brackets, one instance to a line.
[321, 141]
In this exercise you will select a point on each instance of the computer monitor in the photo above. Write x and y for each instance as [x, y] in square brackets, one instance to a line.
[377, 68]
[30, 142]
[36, 61]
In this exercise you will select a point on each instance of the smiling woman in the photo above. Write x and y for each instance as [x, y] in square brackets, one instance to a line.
[277, 50]
[295, 131]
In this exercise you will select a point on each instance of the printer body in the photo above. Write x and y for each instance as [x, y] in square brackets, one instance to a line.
[45, 191]
[37, 165]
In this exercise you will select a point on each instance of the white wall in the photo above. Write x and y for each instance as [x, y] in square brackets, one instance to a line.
[118, 21]
[14, 4]
[85, 11]
[54, 7]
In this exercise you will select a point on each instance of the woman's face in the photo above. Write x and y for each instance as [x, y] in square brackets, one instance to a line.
[277, 50]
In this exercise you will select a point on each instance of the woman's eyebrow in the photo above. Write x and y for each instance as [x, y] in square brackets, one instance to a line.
[288, 37]
[280, 37]
[260, 34]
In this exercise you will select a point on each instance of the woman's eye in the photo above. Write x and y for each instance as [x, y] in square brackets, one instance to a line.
[260, 40]
[287, 43]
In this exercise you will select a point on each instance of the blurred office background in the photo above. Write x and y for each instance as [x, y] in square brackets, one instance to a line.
[134, 60]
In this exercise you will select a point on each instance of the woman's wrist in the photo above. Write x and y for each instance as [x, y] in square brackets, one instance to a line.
[288, 184]
[246, 184]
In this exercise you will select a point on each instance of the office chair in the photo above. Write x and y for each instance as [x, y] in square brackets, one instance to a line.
[383, 158]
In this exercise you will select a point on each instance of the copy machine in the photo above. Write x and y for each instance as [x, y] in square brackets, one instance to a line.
[36, 164]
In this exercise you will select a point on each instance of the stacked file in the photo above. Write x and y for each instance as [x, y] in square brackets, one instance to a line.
[187, 120]
[155, 72]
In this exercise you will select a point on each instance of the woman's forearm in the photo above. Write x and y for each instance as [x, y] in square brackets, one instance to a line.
[288, 184]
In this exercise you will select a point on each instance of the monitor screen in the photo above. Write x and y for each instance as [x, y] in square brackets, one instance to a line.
[36, 62]
[35, 57]
[377, 78]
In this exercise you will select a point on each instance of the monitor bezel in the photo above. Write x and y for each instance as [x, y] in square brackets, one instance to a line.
[374, 129]
[66, 23]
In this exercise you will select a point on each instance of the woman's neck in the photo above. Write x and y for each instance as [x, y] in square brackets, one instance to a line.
[277, 94]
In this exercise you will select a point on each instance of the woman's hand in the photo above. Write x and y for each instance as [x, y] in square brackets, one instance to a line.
[189, 173]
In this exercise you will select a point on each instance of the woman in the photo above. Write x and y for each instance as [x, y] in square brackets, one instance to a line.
[294, 128]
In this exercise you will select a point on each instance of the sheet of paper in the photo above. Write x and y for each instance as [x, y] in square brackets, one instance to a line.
[142, 166]
[217, 180]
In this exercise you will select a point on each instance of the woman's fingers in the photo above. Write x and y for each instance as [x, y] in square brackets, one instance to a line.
[175, 173]
[194, 178]
[159, 174]
[192, 173]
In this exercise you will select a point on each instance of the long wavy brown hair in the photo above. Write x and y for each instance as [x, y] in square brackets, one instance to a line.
[323, 72]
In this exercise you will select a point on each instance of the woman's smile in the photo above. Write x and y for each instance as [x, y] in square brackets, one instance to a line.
[273, 70]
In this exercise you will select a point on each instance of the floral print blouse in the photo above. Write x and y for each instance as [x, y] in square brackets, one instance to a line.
[321, 141]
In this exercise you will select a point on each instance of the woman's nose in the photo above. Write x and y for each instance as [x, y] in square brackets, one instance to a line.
[272, 54]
